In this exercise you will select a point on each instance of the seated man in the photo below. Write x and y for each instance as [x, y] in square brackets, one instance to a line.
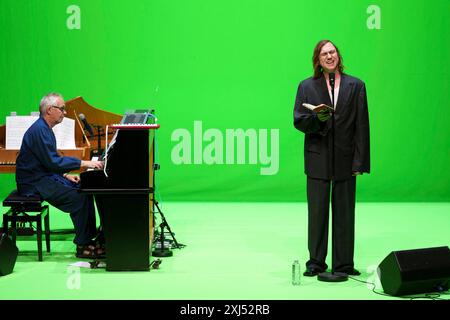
[41, 171]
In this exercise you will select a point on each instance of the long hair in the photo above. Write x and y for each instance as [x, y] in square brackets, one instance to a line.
[316, 59]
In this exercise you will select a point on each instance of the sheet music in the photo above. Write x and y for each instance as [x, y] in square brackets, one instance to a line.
[16, 126]
[65, 134]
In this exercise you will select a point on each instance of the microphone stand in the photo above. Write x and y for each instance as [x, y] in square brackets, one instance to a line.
[332, 276]
[99, 150]
[162, 251]
[332, 129]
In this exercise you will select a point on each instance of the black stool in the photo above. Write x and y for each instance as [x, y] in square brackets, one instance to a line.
[20, 207]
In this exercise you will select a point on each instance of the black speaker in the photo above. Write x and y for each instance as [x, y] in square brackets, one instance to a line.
[8, 254]
[415, 271]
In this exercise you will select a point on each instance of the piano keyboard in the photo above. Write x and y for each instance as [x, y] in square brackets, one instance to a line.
[134, 126]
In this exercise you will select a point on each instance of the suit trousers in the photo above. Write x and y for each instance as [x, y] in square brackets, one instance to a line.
[64, 195]
[343, 223]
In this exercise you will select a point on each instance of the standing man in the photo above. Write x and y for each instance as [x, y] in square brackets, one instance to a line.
[41, 171]
[331, 168]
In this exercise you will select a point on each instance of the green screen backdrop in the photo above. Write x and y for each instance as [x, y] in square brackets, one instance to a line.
[214, 70]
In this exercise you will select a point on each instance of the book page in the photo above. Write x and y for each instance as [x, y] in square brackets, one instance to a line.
[317, 108]
[309, 106]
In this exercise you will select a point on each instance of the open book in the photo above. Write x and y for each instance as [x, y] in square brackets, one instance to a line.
[320, 108]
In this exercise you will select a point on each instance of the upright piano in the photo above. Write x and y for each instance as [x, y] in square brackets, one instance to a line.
[123, 192]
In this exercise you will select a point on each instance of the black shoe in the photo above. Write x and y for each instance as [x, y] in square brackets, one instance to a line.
[351, 272]
[312, 272]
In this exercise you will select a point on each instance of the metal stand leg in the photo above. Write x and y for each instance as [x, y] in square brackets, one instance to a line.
[13, 228]
[39, 235]
[47, 229]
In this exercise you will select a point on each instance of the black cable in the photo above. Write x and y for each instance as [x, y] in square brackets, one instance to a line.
[373, 289]
[426, 296]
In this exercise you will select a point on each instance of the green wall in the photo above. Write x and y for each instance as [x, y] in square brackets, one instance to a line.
[236, 64]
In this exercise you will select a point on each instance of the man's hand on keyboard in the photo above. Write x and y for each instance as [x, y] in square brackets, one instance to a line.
[92, 164]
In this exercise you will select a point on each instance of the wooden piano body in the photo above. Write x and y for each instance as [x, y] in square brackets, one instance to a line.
[84, 144]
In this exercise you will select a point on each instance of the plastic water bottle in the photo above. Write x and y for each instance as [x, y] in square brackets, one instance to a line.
[296, 273]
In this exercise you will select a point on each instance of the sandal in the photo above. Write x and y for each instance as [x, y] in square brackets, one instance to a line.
[89, 252]
[97, 244]
[99, 241]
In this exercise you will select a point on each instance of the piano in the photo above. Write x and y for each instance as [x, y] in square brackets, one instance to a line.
[124, 190]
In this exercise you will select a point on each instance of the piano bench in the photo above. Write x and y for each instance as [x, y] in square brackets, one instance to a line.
[21, 211]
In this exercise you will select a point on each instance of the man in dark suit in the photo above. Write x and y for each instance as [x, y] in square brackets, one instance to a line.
[332, 168]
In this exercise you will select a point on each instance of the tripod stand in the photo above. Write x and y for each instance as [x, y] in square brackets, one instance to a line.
[163, 251]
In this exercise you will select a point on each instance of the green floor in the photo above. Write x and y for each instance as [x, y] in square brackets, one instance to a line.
[233, 251]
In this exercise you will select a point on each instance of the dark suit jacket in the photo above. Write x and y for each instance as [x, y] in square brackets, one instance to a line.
[352, 147]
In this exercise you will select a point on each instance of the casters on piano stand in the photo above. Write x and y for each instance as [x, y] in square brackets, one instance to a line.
[164, 251]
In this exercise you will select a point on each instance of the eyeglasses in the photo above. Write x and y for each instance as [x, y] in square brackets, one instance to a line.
[62, 108]
[324, 54]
